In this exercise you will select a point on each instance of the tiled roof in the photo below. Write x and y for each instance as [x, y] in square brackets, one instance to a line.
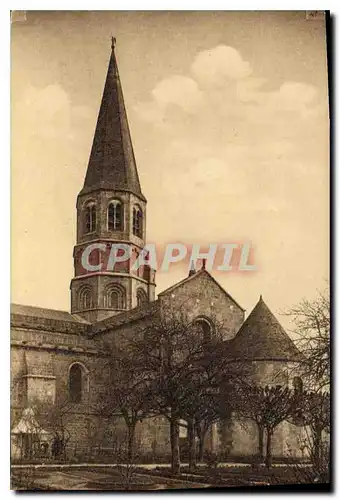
[112, 162]
[42, 312]
[262, 337]
[147, 309]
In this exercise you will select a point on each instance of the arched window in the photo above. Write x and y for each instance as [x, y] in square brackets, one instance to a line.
[115, 216]
[75, 383]
[115, 297]
[90, 217]
[137, 222]
[204, 328]
[297, 385]
[85, 298]
[142, 297]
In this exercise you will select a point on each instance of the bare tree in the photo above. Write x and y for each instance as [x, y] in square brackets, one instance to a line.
[267, 407]
[169, 352]
[313, 411]
[312, 319]
[200, 416]
[209, 395]
[198, 406]
[52, 417]
[128, 392]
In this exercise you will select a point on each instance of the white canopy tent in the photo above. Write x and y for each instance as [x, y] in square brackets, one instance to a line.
[28, 437]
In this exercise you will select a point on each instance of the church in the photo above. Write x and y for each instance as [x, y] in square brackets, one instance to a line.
[56, 356]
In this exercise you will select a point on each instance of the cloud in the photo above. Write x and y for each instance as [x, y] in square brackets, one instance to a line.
[248, 89]
[48, 112]
[222, 86]
[215, 65]
[225, 110]
[177, 91]
[150, 112]
[49, 100]
[212, 67]
[51, 136]
[292, 96]
[296, 97]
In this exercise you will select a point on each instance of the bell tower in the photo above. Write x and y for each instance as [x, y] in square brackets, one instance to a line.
[111, 217]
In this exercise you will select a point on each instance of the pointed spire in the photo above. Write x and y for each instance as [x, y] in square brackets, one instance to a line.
[112, 163]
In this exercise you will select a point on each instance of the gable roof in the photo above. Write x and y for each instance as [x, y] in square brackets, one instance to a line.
[261, 337]
[112, 163]
[194, 276]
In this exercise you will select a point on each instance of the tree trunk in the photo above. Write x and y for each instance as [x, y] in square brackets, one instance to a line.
[174, 437]
[21, 437]
[131, 441]
[269, 448]
[191, 444]
[202, 434]
[316, 451]
[260, 429]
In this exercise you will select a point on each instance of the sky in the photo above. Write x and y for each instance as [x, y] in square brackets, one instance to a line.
[228, 113]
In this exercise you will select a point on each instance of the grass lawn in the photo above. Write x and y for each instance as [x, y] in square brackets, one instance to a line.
[138, 479]
[119, 478]
[243, 476]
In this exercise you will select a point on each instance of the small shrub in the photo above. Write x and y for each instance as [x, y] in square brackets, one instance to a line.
[211, 460]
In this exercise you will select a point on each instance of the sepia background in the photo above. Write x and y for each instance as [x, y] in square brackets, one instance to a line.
[229, 120]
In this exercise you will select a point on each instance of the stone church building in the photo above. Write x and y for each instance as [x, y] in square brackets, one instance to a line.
[57, 356]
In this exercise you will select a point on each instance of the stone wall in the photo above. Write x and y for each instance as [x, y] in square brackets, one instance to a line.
[40, 362]
[242, 440]
[201, 296]
[44, 349]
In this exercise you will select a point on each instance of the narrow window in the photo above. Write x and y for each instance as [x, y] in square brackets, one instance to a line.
[115, 297]
[85, 299]
[75, 383]
[90, 218]
[114, 300]
[137, 222]
[115, 216]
